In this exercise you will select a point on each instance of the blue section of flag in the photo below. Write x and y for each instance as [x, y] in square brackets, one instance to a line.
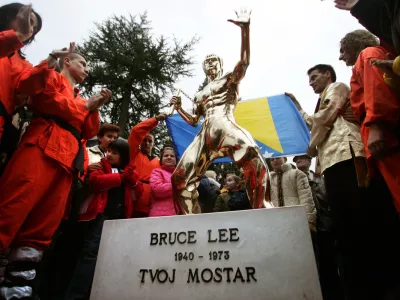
[289, 126]
[292, 131]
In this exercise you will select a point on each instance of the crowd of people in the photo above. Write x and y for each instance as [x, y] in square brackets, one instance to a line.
[56, 193]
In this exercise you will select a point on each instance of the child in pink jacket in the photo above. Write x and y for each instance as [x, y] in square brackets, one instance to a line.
[162, 203]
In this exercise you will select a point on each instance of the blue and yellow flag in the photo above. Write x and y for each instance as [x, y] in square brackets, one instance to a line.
[274, 123]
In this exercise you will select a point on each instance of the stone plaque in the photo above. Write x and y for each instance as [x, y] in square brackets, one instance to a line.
[254, 254]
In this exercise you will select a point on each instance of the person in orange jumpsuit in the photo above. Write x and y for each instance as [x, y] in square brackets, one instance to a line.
[19, 25]
[35, 185]
[377, 108]
[141, 143]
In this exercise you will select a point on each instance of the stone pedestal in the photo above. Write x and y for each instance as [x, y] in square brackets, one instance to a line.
[254, 254]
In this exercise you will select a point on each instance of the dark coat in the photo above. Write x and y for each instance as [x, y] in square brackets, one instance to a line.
[382, 18]
[239, 201]
[208, 193]
[324, 218]
[232, 201]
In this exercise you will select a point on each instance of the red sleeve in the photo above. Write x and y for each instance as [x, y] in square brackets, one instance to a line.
[9, 42]
[91, 126]
[100, 182]
[381, 103]
[33, 81]
[85, 160]
[357, 93]
[138, 133]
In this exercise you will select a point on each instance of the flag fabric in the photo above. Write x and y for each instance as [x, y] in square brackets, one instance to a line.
[274, 122]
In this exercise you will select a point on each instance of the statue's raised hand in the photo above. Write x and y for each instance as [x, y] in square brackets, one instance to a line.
[243, 17]
[345, 4]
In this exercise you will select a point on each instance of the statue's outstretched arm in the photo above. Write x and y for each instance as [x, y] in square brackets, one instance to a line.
[243, 22]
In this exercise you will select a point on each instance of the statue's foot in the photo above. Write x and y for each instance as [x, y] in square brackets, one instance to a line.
[268, 204]
[191, 203]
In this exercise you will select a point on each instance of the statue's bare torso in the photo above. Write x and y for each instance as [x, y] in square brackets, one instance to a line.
[219, 90]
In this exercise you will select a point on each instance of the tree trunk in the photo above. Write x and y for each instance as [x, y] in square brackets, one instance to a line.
[123, 119]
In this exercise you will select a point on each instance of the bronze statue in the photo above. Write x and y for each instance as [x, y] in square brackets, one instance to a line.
[219, 135]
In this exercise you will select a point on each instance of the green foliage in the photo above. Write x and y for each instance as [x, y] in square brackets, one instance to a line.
[222, 168]
[140, 69]
[203, 85]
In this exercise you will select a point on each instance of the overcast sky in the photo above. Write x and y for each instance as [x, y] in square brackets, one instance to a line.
[287, 36]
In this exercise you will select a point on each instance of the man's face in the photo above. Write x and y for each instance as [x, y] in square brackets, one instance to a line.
[303, 163]
[319, 81]
[77, 67]
[147, 144]
[277, 163]
[105, 140]
[212, 66]
[348, 57]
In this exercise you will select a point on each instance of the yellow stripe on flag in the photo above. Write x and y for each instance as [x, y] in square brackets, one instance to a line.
[255, 116]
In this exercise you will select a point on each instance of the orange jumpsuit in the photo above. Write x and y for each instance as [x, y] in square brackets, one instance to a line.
[144, 164]
[81, 177]
[9, 42]
[12, 68]
[35, 185]
[372, 100]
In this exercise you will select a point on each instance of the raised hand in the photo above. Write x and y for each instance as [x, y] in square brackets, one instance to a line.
[92, 102]
[98, 100]
[64, 52]
[105, 96]
[56, 54]
[243, 17]
[345, 4]
[161, 117]
[22, 24]
[294, 100]
[129, 175]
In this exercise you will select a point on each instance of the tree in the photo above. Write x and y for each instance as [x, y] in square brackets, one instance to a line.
[222, 168]
[138, 68]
